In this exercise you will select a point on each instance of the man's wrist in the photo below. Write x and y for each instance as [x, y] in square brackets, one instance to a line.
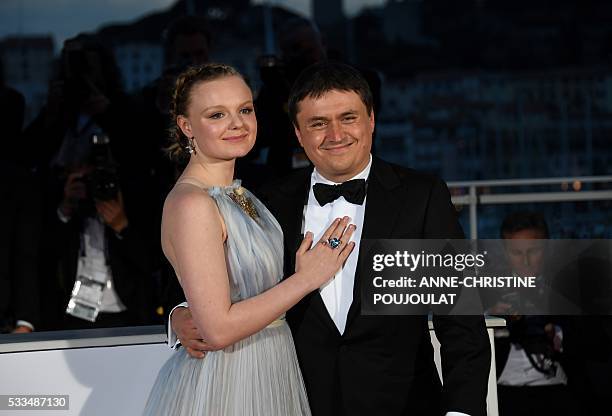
[173, 341]
[120, 226]
[120, 233]
[24, 325]
[64, 214]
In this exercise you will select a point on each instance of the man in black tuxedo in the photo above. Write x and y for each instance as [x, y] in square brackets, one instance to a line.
[355, 364]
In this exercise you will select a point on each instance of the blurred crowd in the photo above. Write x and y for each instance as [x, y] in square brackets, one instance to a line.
[83, 187]
[83, 184]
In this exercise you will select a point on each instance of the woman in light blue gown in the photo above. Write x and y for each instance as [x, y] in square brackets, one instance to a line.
[227, 251]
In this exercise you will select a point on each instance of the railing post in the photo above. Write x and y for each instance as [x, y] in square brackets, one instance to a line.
[473, 213]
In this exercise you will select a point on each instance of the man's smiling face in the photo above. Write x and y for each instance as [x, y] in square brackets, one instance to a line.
[335, 131]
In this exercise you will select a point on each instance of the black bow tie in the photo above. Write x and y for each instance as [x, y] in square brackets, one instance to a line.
[353, 191]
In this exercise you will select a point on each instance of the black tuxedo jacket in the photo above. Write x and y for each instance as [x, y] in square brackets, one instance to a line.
[383, 365]
[20, 222]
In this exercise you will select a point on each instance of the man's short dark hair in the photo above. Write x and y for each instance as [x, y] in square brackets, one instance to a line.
[323, 77]
[524, 220]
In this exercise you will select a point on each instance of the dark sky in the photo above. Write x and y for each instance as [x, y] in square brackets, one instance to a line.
[66, 18]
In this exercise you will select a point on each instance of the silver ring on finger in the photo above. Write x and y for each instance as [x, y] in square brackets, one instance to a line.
[334, 242]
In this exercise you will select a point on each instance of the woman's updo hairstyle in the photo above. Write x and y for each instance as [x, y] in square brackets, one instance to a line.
[181, 97]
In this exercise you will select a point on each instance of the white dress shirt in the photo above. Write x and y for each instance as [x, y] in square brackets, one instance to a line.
[94, 247]
[519, 371]
[93, 251]
[337, 294]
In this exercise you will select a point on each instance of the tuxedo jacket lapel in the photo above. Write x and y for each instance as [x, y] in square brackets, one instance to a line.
[381, 214]
[382, 206]
[292, 225]
[290, 214]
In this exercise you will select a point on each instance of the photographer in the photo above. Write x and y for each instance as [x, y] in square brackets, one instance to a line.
[102, 258]
[532, 362]
[110, 256]
[86, 147]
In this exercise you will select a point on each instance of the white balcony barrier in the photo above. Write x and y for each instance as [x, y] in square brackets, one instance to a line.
[473, 196]
[110, 371]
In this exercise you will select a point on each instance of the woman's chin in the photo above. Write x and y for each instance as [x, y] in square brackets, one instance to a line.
[243, 149]
[232, 152]
[238, 153]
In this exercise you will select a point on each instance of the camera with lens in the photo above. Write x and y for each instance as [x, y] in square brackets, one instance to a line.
[103, 180]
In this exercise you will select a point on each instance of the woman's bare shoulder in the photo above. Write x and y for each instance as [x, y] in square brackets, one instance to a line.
[188, 199]
[188, 205]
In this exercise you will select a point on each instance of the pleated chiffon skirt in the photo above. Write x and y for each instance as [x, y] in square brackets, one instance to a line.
[258, 376]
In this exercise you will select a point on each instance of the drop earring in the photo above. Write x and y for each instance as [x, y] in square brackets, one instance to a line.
[191, 146]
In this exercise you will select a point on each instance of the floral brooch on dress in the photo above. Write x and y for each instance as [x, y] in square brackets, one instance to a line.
[244, 202]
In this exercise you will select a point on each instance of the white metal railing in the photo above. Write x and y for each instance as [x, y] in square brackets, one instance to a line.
[473, 198]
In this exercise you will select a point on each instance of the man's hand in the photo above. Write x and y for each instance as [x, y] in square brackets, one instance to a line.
[187, 333]
[75, 191]
[555, 336]
[22, 329]
[113, 213]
